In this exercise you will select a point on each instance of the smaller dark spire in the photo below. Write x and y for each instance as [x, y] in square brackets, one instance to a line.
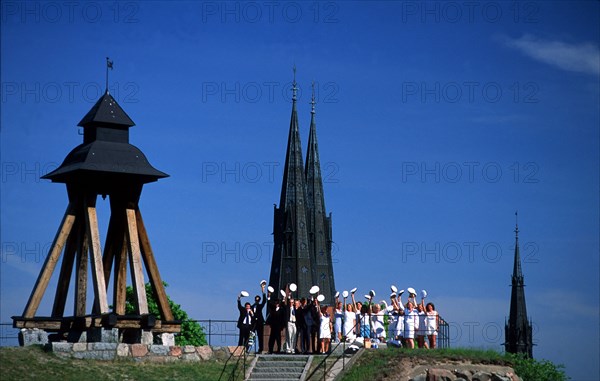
[517, 271]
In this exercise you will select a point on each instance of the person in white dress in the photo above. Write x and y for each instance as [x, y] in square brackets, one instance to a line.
[338, 318]
[378, 323]
[421, 330]
[394, 319]
[432, 323]
[349, 323]
[324, 329]
[411, 324]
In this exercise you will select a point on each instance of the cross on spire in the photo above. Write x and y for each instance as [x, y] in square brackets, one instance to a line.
[312, 101]
[294, 87]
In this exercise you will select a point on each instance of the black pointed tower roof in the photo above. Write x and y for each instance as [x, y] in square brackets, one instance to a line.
[518, 330]
[291, 262]
[106, 111]
[105, 160]
[318, 221]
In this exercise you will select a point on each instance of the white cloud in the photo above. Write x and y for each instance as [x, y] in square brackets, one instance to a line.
[581, 58]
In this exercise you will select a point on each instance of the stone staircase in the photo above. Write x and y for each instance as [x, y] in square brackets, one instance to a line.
[279, 367]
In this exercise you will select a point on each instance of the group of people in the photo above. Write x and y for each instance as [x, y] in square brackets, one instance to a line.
[311, 327]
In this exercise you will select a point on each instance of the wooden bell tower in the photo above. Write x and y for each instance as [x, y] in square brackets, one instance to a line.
[107, 165]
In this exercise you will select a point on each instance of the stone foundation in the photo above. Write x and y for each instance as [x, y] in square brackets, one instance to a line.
[142, 352]
[34, 336]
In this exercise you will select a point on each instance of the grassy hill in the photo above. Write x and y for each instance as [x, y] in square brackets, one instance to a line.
[33, 363]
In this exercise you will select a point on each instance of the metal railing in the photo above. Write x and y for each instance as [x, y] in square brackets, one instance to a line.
[219, 332]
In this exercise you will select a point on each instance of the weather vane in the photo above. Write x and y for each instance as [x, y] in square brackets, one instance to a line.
[109, 65]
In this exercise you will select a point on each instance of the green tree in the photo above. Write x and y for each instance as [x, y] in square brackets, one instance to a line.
[191, 332]
[537, 370]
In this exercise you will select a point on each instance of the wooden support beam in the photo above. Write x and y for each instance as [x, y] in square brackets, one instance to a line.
[109, 247]
[49, 264]
[135, 261]
[120, 283]
[66, 269]
[152, 269]
[113, 246]
[81, 276]
[91, 222]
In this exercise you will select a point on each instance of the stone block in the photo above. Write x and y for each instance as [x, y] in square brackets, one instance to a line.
[175, 351]
[123, 350]
[139, 350]
[482, 376]
[419, 377]
[107, 355]
[221, 353]
[167, 339]
[189, 349]
[160, 359]
[62, 347]
[89, 355]
[32, 336]
[79, 347]
[190, 357]
[161, 350]
[463, 373]
[438, 374]
[235, 350]
[103, 346]
[500, 377]
[205, 352]
[110, 335]
[147, 338]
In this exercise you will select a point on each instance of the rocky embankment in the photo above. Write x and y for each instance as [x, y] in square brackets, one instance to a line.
[427, 369]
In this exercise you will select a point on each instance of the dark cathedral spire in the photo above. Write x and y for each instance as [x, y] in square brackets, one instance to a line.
[291, 261]
[319, 224]
[518, 331]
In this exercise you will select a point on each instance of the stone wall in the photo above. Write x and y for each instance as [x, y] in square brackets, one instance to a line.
[142, 352]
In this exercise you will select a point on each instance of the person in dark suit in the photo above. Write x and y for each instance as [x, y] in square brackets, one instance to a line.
[276, 320]
[304, 323]
[246, 322]
[257, 309]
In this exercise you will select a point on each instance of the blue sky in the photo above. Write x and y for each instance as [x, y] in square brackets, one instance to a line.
[436, 121]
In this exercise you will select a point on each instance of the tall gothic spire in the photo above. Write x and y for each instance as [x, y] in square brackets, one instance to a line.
[518, 330]
[291, 261]
[319, 224]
